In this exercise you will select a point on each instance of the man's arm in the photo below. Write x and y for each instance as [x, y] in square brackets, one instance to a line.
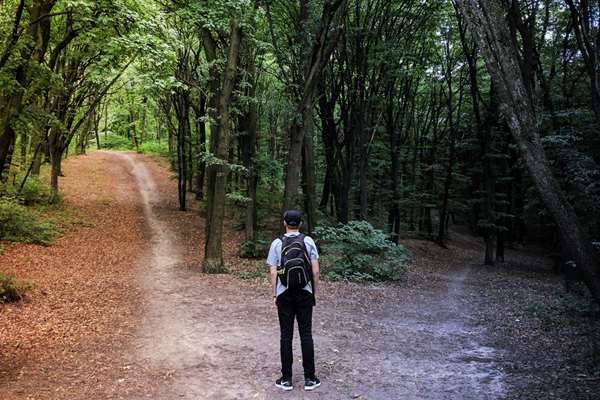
[274, 284]
[315, 277]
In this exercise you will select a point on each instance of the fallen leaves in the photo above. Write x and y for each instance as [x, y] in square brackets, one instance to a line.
[85, 291]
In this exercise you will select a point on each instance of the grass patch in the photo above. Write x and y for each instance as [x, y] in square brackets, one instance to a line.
[20, 224]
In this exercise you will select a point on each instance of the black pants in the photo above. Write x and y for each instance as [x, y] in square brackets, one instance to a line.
[296, 304]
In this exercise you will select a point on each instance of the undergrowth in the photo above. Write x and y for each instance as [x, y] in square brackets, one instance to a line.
[19, 219]
[573, 308]
[12, 288]
[256, 248]
[123, 143]
[259, 270]
[357, 251]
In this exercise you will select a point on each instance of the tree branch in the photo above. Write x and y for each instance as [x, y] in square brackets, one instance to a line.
[15, 35]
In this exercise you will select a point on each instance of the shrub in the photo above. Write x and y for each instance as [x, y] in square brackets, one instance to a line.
[34, 192]
[260, 270]
[17, 224]
[357, 251]
[12, 289]
[256, 248]
[115, 142]
[155, 148]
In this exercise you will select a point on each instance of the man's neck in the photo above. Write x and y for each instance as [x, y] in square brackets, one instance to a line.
[288, 230]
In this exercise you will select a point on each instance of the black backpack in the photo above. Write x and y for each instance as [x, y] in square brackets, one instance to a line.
[295, 269]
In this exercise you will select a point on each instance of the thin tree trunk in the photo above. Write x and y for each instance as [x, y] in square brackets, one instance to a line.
[143, 125]
[308, 173]
[201, 127]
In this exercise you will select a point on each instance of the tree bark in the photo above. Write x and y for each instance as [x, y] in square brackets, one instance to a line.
[585, 24]
[487, 24]
[248, 148]
[213, 261]
[201, 128]
[309, 184]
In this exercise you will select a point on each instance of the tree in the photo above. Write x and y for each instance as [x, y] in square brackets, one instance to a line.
[487, 24]
[311, 57]
[222, 84]
[31, 54]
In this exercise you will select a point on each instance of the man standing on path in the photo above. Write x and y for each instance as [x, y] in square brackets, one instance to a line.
[295, 303]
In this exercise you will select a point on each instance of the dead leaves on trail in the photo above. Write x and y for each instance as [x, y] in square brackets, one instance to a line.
[84, 296]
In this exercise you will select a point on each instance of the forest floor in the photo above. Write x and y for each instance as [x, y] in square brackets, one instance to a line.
[121, 311]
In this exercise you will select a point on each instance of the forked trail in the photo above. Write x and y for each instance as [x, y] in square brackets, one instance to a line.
[217, 336]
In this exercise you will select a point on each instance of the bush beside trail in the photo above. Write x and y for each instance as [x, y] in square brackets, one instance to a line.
[357, 251]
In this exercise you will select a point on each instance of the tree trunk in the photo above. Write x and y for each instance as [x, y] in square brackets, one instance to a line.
[585, 24]
[182, 107]
[38, 157]
[55, 162]
[134, 141]
[330, 145]
[487, 25]
[23, 148]
[309, 187]
[201, 127]
[486, 141]
[143, 125]
[447, 183]
[248, 148]
[394, 213]
[106, 121]
[213, 261]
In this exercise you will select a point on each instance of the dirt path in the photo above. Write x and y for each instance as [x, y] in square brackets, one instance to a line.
[218, 337]
[122, 311]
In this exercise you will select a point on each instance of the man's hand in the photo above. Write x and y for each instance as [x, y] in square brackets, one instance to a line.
[275, 302]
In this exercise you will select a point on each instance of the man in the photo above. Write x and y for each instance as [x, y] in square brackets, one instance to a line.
[295, 304]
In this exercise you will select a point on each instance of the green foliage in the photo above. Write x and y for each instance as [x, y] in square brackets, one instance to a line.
[357, 251]
[238, 197]
[18, 223]
[257, 248]
[571, 309]
[115, 142]
[270, 171]
[12, 288]
[34, 192]
[546, 314]
[260, 270]
[155, 148]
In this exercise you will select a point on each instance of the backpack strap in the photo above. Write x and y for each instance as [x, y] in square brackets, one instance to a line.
[300, 236]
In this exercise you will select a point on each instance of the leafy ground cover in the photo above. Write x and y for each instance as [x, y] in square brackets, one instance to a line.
[119, 310]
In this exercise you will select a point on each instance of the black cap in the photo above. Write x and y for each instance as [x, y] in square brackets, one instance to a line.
[292, 218]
